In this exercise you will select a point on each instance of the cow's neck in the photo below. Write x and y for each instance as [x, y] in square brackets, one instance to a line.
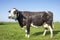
[20, 19]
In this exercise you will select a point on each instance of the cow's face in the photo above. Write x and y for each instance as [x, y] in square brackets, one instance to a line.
[13, 13]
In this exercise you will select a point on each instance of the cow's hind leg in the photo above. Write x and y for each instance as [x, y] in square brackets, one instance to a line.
[45, 31]
[51, 31]
[50, 28]
[46, 28]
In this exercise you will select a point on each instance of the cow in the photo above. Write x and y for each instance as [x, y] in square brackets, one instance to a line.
[26, 19]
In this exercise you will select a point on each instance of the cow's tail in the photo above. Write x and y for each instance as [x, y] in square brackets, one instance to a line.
[51, 14]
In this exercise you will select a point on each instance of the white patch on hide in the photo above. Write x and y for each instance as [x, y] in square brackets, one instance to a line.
[34, 25]
[45, 25]
[26, 30]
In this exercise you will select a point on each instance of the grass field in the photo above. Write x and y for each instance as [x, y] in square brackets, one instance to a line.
[12, 31]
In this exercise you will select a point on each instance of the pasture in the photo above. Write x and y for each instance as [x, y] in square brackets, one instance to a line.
[12, 31]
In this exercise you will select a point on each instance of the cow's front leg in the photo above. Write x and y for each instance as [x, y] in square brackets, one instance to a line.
[28, 23]
[27, 30]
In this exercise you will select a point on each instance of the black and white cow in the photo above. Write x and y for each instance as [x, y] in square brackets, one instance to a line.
[35, 19]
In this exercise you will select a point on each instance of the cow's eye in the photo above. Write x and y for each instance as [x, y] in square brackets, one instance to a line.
[14, 12]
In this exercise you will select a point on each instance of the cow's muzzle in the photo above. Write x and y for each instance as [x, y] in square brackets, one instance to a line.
[9, 17]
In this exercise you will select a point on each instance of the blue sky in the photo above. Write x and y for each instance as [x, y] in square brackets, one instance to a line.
[29, 5]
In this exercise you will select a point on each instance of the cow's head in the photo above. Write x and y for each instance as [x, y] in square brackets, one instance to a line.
[13, 13]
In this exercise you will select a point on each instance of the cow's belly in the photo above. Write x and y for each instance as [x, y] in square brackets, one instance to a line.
[34, 25]
[37, 22]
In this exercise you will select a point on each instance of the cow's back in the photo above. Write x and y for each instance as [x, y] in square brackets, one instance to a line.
[27, 13]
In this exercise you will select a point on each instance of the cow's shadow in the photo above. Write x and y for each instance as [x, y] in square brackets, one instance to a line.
[48, 33]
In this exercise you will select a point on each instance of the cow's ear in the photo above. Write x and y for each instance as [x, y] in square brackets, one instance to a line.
[9, 11]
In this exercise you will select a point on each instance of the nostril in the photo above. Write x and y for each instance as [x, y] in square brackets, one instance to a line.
[9, 17]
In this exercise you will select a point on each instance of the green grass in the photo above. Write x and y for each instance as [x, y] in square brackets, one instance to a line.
[12, 31]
